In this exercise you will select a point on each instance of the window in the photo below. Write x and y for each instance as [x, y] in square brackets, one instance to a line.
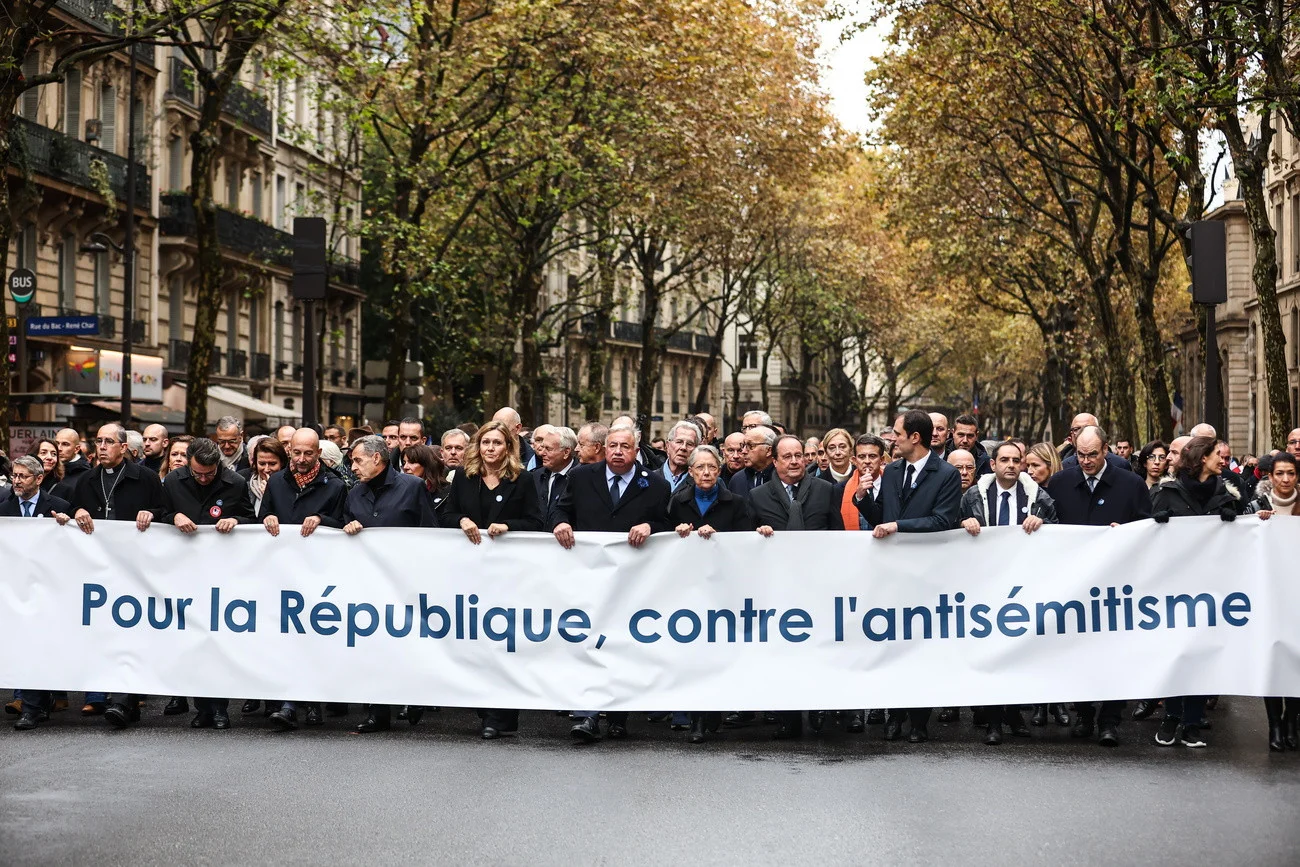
[31, 102]
[176, 308]
[68, 273]
[176, 163]
[625, 390]
[108, 117]
[254, 324]
[277, 340]
[1277, 238]
[1294, 342]
[748, 348]
[232, 184]
[103, 294]
[334, 343]
[1295, 234]
[280, 204]
[300, 102]
[137, 131]
[295, 345]
[609, 383]
[690, 387]
[255, 182]
[347, 228]
[72, 103]
[26, 243]
[659, 395]
[299, 199]
[232, 322]
[347, 344]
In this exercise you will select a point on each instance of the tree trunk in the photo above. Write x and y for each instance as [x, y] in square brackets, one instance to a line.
[593, 401]
[648, 373]
[399, 319]
[203, 144]
[532, 373]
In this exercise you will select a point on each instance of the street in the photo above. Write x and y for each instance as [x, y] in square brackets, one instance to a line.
[74, 791]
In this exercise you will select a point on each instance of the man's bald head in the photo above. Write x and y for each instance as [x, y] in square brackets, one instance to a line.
[509, 417]
[964, 462]
[304, 450]
[1081, 421]
[938, 429]
[1203, 430]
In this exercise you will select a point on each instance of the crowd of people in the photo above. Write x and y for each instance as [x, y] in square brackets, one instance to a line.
[919, 475]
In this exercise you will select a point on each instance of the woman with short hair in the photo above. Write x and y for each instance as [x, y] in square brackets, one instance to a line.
[1151, 461]
[838, 444]
[1042, 462]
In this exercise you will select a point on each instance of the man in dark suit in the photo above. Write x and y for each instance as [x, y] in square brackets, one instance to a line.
[618, 495]
[556, 458]
[795, 500]
[682, 440]
[117, 490]
[74, 463]
[757, 445]
[230, 439]
[919, 493]
[509, 417]
[1094, 492]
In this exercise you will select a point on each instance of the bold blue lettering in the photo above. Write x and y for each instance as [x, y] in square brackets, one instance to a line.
[119, 604]
[869, 630]
[249, 607]
[1012, 612]
[354, 628]
[291, 605]
[92, 596]
[692, 618]
[634, 626]
[391, 624]
[979, 615]
[1151, 616]
[507, 634]
[1235, 604]
[573, 618]
[795, 618]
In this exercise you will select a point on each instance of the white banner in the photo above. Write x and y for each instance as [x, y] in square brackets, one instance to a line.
[798, 621]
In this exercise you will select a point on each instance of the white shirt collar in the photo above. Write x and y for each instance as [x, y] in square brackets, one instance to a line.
[918, 465]
[1099, 472]
[626, 477]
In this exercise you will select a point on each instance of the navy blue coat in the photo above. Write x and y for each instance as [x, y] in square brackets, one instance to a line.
[547, 502]
[1112, 460]
[585, 504]
[1121, 496]
[46, 505]
[323, 498]
[401, 501]
[742, 483]
[934, 504]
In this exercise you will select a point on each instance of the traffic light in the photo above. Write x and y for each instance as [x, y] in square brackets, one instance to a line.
[1208, 262]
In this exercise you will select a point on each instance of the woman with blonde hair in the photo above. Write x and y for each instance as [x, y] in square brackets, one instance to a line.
[838, 444]
[1042, 462]
[492, 491]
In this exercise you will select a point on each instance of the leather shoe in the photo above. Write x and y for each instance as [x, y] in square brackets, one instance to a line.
[1276, 737]
[1292, 735]
[284, 720]
[785, 732]
[856, 725]
[120, 716]
[60, 704]
[948, 714]
[250, 706]
[1058, 714]
[202, 720]
[313, 717]
[489, 733]
[740, 718]
[402, 712]
[220, 720]
[587, 730]
[1109, 737]
[893, 728]
[1144, 708]
[994, 736]
[770, 719]
[617, 731]
[177, 705]
[1016, 721]
[697, 729]
[27, 722]
[1039, 717]
[816, 718]
[918, 735]
[1082, 729]
[875, 717]
[414, 713]
[93, 708]
[14, 708]
[372, 724]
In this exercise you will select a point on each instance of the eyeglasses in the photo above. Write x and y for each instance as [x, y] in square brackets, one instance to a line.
[204, 474]
[229, 441]
[681, 442]
[22, 477]
[107, 441]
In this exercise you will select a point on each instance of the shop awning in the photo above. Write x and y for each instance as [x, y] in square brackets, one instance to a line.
[146, 413]
[224, 401]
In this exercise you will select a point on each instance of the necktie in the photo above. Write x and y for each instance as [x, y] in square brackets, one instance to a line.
[1004, 510]
[613, 490]
[907, 483]
[1092, 483]
[796, 511]
[27, 508]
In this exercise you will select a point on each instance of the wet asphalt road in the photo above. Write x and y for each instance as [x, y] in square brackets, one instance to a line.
[74, 792]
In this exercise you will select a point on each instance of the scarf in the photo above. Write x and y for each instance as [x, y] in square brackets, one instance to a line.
[257, 488]
[1200, 492]
[1284, 506]
[840, 477]
[302, 480]
[229, 462]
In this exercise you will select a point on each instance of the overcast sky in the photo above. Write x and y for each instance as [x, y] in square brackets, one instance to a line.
[845, 64]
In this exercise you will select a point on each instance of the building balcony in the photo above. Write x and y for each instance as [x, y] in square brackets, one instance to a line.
[261, 369]
[108, 329]
[628, 332]
[345, 273]
[64, 158]
[101, 15]
[214, 363]
[236, 233]
[178, 355]
[240, 103]
[236, 362]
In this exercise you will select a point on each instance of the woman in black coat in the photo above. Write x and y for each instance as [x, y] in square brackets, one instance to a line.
[704, 508]
[492, 491]
[1197, 488]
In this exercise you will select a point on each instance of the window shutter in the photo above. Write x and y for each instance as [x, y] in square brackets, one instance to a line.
[72, 103]
[108, 117]
[32, 97]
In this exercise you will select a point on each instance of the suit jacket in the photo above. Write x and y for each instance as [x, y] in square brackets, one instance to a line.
[729, 513]
[933, 505]
[46, 505]
[816, 498]
[514, 503]
[547, 502]
[137, 491]
[585, 503]
[742, 483]
[322, 498]
[686, 480]
[1121, 496]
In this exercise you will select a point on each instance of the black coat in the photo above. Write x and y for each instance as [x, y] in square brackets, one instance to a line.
[821, 510]
[729, 513]
[1172, 496]
[1121, 496]
[55, 488]
[514, 503]
[226, 496]
[547, 502]
[396, 500]
[585, 503]
[323, 498]
[75, 470]
[137, 491]
[1113, 461]
[46, 505]
[934, 504]
[742, 483]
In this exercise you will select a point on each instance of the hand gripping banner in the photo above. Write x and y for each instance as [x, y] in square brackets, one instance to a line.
[798, 621]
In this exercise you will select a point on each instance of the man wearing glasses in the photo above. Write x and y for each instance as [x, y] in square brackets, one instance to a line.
[117, 490]
[682, 440]
[757, 449]
[1068, 459]
[230, 439]
[203, 492]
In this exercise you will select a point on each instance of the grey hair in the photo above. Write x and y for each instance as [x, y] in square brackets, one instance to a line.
[135, 442]
[330, 453]
[204, 452]
[763, 418]
[629, 429]
[372, 444]
[31, 463]
[596, 431]
[226, 422]
[769, 436]
[119, 432]
[1096, 431]
[452, 433]
[689, 425]
[568, 437]
[699, 451]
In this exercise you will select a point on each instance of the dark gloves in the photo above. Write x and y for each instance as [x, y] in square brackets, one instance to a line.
[1161, 517]
[1227, 513]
